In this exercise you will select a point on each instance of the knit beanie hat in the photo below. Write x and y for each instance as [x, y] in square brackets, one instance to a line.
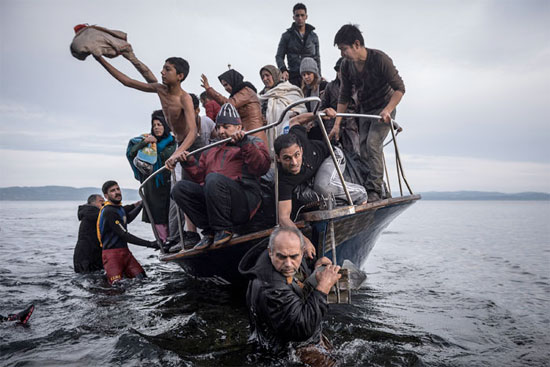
[228, 115]
[309, 65]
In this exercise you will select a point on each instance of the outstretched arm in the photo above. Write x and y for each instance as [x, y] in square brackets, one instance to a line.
[141, 67]
[124, 79]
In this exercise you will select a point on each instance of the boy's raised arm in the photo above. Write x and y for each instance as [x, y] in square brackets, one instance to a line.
[141, 67]
[124, 79]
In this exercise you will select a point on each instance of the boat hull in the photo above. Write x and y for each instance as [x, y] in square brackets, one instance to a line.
[356, 230]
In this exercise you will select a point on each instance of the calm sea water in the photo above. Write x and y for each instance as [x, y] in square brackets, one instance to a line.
[449, 284]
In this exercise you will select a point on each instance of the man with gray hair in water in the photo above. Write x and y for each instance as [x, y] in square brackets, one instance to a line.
[286, 300]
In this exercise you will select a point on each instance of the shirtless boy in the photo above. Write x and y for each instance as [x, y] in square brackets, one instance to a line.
[176, 103]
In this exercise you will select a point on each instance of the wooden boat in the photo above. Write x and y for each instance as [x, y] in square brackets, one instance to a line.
[356, 230]
[343, 233]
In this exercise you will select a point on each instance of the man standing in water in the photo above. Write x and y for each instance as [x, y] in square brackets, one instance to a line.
[297, 42]
[113, 235]
[379, 88]
[286, 302]
[87, 252]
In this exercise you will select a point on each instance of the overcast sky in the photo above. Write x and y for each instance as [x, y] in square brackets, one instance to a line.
[477, 75]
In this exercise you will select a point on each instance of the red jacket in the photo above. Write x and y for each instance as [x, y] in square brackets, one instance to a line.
[248, 159]
[243, 162]
[212, 108]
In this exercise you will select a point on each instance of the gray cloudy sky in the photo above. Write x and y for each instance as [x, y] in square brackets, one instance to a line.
[477, 75]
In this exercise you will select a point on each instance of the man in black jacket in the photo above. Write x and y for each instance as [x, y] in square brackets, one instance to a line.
[286, 302]
[114, 237]
[297, 42]
[87, 252]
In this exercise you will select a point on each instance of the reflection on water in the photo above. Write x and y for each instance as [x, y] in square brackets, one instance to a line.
[450, 284]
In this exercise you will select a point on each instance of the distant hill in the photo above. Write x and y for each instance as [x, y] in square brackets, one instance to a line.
[32, 193]
[40, 193]
[483, 195]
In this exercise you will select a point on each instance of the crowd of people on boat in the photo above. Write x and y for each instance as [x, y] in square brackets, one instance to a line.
[223, 189]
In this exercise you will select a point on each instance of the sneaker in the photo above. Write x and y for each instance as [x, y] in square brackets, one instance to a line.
[190, 239]
[176, 248]
[206, 242]
[221, 237]
[170, 245]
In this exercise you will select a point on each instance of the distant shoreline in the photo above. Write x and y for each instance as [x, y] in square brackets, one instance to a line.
[67, 193]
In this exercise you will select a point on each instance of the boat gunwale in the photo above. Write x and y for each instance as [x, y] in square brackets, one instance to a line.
[305, 218]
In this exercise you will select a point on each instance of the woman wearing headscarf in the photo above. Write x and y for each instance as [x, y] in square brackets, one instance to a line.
[312, 85]
[242, 95]
[157, 190]
[275, 97]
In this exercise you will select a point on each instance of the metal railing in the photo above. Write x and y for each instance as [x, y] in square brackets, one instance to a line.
[219, 142]
[318, 115]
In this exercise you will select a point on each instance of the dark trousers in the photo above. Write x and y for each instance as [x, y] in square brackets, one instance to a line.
[371, 140]
[220, 204]
[295, 78]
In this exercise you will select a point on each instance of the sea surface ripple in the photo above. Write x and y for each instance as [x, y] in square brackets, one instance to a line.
[449, 284]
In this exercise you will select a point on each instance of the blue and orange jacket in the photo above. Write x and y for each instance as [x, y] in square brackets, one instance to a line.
[112, 225]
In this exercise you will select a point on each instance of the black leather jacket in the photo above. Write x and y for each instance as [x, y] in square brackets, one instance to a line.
[281, 314]
[296, 48]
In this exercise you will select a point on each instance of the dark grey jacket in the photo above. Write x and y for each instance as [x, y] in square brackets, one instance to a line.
[280, 313]
[295, 48]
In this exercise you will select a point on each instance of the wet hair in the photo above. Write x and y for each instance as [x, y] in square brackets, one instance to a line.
[195, 100]
[93, 198]
[299, 6]
[280, 230]
[181, 65]
[348, 34]
[284, 141]
[107, 185]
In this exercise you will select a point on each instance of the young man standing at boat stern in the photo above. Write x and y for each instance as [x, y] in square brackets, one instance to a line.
[371, 74]
[113, 235]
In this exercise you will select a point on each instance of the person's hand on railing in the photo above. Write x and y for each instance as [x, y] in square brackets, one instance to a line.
[238, 136]
[385, 116]
[330, 113]
[204, 82]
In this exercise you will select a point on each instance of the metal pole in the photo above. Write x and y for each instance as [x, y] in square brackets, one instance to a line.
[398, 159]
[276, 178]
[333, 246]
[387, 173]
[334, 160]
[178, 214]
[150, 216]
